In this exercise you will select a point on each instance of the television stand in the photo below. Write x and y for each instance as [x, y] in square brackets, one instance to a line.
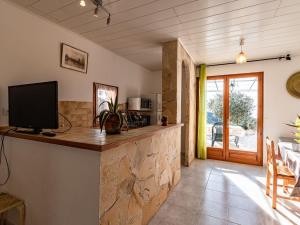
[32, 131]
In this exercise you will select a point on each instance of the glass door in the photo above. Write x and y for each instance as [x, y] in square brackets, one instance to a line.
[215, 129]
[234, 117]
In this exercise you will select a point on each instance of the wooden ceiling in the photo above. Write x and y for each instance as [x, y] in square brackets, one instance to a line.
[210, 30]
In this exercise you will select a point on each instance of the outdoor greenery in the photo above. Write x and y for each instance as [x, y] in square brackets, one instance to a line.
[241, 108]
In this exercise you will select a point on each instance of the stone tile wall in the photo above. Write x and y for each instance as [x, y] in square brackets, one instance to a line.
[136, 178]
[80, 114]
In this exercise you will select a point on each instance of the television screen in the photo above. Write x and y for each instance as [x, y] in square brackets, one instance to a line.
[34, 105]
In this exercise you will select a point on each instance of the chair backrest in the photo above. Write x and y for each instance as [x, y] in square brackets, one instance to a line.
[217, 129]
[271, 158]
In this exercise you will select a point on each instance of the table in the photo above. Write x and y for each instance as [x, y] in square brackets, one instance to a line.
[289, 151]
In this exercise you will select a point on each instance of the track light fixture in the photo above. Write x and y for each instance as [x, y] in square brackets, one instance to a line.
[108, 19]
[96, 11]
[82, 3]
[288, 57]
[99, 4]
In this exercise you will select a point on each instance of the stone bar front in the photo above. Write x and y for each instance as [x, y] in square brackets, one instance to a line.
[84, 177]
[136, 178]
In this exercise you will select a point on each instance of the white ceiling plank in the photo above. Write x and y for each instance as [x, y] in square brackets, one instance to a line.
[288, 2]
[197, 23]
[200, 5]
[121, 35]
[25, 2]
[232, 28]
[47, 6]
[288, 9]
[160, 16]
[206, 28]
[74, 10]
[243, 30]
[140, 12]
[229, 7]
[114, 8]
[266, 41]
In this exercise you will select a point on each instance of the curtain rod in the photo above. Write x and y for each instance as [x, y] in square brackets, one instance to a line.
[287, 57]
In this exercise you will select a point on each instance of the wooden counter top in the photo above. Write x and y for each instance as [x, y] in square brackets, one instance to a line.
[92, 139]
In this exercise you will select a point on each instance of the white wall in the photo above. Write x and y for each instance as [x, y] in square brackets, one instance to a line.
[60, 185]
[30, 52]
[155, 85]
[279, 106]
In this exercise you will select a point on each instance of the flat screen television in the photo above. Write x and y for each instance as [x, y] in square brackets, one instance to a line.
[34, 106]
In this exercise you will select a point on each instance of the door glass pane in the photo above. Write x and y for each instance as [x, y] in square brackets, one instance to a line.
[243, 99]
[215, 100]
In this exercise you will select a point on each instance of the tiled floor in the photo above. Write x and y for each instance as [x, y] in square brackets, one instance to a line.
[221, 193]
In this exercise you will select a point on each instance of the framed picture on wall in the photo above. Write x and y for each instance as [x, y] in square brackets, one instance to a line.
[73, 58]
[101, 93]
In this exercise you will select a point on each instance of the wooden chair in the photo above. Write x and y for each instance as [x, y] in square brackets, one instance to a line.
[8, 202]
[277, 172]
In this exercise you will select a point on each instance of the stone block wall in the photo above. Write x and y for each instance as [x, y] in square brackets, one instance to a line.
[80, 114]
[178, 76]
[136, 178]
[189, 104]
[170, 82]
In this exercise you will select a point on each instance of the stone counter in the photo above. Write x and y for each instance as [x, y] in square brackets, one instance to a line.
[136, 178]
[93, 139]
[82, 177]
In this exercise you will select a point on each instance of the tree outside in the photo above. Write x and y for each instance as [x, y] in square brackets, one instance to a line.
[241, 108]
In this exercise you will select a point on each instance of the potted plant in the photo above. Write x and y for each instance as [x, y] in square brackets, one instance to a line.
[112, 118]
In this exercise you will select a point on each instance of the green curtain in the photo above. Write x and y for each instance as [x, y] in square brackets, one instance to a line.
[201, 139]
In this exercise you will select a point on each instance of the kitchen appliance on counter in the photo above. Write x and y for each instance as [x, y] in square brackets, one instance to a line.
[139, 104]
[137, 119]
[147, 108]
[156, 108]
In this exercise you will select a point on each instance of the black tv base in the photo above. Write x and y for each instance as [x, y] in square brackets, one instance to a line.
[32, 131]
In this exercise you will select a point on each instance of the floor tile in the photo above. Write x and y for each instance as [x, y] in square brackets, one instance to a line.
[214, 209]
[195, 190]
[214, 192]
[227, 188]
[187, 201]
[178, 215]
[209, 220]
[244, 217]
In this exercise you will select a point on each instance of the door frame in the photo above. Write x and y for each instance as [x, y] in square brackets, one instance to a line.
[239, 156]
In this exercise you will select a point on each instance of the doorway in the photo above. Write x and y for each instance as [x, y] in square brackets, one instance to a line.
[234, 130]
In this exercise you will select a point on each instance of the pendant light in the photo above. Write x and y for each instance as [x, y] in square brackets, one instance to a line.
[241, 58]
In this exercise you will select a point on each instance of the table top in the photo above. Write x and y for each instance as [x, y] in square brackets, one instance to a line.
[289, 149]
[93, 139]
[290, 154]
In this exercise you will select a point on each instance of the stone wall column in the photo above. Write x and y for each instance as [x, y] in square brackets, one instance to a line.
[171, 82]
[174, 57]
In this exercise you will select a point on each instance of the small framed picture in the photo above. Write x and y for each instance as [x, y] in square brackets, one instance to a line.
[73, 58]
[101, 93]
